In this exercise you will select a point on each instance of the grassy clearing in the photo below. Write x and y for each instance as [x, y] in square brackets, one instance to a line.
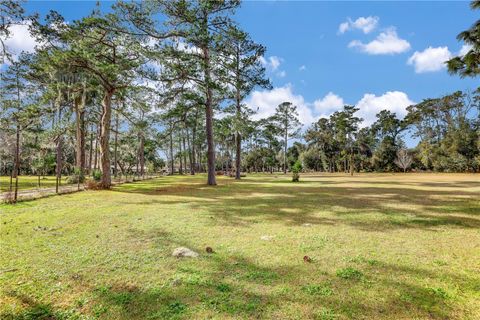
[383, 246]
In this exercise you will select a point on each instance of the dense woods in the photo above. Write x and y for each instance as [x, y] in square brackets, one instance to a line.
[160, 86]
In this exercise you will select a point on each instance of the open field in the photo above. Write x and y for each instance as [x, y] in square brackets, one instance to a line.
[384, 246]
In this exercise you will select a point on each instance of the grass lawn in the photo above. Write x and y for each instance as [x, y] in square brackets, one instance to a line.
[383, 246]
[28, 182]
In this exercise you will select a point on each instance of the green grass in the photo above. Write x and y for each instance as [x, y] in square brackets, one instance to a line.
[28, 182]
[383, 246]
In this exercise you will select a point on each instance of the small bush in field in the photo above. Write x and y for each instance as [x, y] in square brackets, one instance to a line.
[76, 177]
[97, 175]
[296, 169]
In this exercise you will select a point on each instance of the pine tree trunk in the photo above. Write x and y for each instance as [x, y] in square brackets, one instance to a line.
[190, 153]
[115, 152]
[91, 151]
[238, 155]
[106, 180]
[194, 136]
[352, 163]
[238, 138]
[171, 150]
[141, 152]
[184, 154]
[285, 153]
[209, 122]
[17, 161]
[80, 136]
[95, 161]
[59, 163]
[180, 158]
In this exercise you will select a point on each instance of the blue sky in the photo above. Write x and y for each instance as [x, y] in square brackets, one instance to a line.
[321, 55]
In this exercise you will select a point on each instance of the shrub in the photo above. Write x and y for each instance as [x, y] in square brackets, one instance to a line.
[76, 176]
[97, 175]
[92, 185]
[296, 169]
[73, 179]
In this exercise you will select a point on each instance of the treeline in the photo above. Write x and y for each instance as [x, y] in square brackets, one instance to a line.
[115, 92]
[447, 130]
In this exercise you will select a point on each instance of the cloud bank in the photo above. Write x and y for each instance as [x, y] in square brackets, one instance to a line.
[265, 102]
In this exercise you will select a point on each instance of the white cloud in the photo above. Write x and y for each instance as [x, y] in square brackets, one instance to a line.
[20, 39]
[302, 68]
[272, 63]
[328, 104]
[343, 27]
[464, 50]
[265, 102]
[386, 42]
[366, 24]
[430, 59]
[370, 105]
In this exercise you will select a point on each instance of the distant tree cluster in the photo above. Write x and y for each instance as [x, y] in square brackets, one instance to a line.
[448, 129]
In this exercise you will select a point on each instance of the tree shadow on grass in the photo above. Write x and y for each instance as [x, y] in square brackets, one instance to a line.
[368, 208]
[224, 285]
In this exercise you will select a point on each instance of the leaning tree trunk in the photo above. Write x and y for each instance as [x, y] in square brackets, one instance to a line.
[106, 180]
[209, 122]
